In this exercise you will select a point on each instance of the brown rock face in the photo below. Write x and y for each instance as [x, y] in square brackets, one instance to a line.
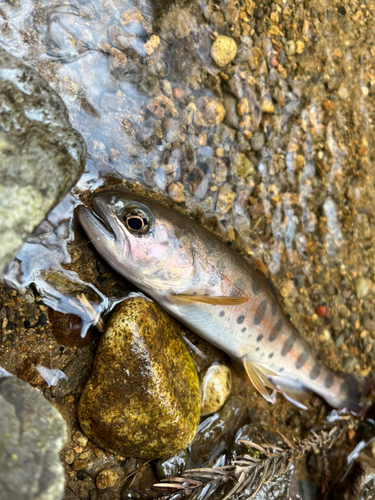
[142, 399]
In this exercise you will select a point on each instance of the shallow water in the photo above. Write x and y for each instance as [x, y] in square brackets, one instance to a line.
[297, 195]
[287, 174]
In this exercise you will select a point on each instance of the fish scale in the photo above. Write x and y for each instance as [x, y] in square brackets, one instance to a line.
[216, 293]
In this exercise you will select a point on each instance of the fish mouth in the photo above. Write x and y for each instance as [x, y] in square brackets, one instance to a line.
[100, 227]
[103, 214]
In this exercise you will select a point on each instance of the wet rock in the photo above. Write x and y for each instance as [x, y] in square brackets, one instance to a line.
[223, 50]
[225, 199]
[172, 466]
[142, 399]
[359, 483]
[242, 166]
[230, 105]
[176, 192]
[216, 386]
[32, 435]
[106, 478]
[343, 92]
[209, 112]
[41, 156]
[215, 434]
[361, 287]
[257, 141]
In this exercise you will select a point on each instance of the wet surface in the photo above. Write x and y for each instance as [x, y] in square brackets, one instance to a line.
[273, 152]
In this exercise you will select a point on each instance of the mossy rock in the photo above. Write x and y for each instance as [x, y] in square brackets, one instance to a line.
[143, 398]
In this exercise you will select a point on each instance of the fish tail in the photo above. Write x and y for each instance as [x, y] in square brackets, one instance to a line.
[356, 390]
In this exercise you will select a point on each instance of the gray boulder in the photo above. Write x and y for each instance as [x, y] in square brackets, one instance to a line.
[32, 434]
[41, 155]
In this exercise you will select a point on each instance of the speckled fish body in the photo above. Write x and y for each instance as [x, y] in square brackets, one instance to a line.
[180, 264]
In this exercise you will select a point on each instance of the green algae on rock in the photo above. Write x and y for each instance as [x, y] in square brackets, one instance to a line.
[142, 399]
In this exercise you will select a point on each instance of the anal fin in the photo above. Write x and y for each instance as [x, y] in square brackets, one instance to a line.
[258, 377]
[297, 395]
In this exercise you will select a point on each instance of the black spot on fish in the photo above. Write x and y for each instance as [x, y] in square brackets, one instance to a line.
[302, 358]
[243, 330]
[328, 381]
[259, 338]
[270, 355]
[240, 319]
[315, 371]
[281, 369]
[289, 343]
[240, 284]
[221, 314]
[255, 286]
[257, 349]
[273, 308]
[276, 330]
[260, 312]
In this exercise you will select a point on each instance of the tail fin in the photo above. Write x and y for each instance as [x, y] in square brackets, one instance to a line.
[358, 393]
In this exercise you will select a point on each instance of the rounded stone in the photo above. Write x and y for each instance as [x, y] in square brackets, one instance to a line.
[209, 112]
[106, 478]
[361, 287]
[223, 50]
[257, 141]
[80, 465]
[216, 387]
[32, 434]
[143, 398]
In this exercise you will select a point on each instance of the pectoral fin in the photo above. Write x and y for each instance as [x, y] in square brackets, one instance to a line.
[215, 301]
[258, 378]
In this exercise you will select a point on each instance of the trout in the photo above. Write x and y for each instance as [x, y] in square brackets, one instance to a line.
[215, 292]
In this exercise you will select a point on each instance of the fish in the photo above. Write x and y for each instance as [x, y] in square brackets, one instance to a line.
[215, 292]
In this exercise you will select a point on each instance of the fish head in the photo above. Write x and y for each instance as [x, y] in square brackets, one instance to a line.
[140, 238]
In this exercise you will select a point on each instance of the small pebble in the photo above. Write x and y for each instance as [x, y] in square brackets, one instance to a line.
[216, 387]
[225, 199]
[243, 106]
[106, 479]
[79, 465]
[209, 112]
[343, 93]
[80, 439]
[300, 47]
[177, 92]
[267, 107]
[257, 141]
[98, 453]
[152, 44]
[69, 457]
[176, 192]
[321, 311]
[223, 50]
[361, 287]
[290, 48]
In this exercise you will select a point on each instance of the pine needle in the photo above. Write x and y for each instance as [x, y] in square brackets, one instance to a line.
[247, 472]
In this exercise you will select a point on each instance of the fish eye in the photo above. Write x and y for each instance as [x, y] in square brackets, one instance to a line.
[137, 220]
